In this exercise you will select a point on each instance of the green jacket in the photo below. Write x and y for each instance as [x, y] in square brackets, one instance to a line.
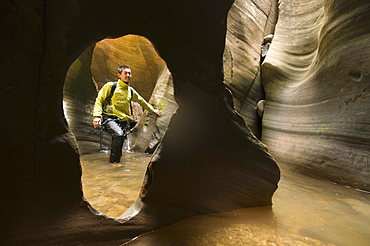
[121, 99]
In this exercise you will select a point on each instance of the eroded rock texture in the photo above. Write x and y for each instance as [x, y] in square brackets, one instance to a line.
[248, 22]
[316, 79]
[315, 83]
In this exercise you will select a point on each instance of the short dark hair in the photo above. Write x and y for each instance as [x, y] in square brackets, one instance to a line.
[122, 68]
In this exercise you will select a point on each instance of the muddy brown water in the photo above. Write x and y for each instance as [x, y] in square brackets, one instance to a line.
[306, 211]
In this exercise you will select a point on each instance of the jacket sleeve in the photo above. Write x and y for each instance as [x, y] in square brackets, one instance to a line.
[137, 98]
[102, 95]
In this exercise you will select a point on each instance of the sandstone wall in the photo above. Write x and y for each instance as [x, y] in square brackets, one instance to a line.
[134, 51]
[248, 22]
[316, 79]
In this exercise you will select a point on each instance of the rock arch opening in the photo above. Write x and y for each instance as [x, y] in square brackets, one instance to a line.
[112, 189]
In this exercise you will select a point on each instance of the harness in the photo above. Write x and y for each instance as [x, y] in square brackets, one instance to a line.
[125, 126]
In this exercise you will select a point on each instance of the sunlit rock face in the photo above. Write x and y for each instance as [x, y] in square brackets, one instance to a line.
[134, 51]
[315, 83]
[316, 79]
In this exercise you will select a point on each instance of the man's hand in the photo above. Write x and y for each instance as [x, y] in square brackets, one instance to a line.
[96, 122]
[157, 112]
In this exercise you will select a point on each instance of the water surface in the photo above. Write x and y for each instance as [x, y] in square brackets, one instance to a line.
[306, 211]
[112, 189]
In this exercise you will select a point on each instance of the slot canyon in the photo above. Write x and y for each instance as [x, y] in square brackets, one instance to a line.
[230, 124]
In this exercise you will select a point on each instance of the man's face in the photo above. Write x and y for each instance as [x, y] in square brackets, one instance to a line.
[125, 75]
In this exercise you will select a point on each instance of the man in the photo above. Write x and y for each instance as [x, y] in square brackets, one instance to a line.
[115, 112]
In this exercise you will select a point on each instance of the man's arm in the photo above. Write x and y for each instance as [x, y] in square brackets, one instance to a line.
[157, 112]
[137, 98]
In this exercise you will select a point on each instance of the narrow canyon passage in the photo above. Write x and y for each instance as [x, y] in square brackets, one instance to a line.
[306, 211]
[315, 81]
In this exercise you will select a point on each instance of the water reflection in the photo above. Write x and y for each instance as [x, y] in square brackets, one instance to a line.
[305, 211]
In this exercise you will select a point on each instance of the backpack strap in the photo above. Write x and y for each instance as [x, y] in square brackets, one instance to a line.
[132, 93]
[109, 98]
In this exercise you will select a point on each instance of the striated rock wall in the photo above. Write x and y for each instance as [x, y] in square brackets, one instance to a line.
[248, 22]
[316, 79]
[78, 100]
